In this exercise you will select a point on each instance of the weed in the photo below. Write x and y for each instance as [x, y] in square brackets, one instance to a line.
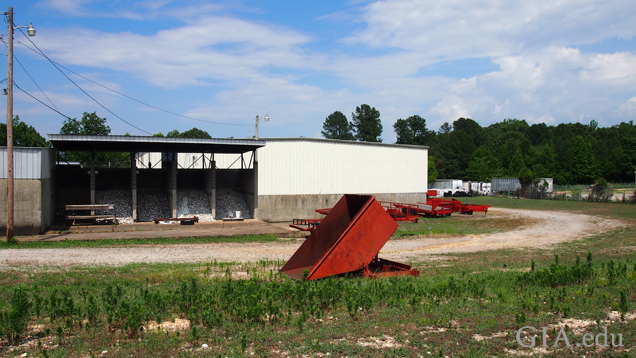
[623, 306]
[16, 319]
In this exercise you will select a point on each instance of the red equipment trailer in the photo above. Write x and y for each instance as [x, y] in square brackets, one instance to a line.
[432, 208]
[468, 209]
[324, 211]
[458, 207]
[305, 224]
[348, 240]
[400, 211]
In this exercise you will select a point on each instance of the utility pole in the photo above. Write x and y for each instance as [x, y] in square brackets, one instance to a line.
[10, 176]
[10, 128]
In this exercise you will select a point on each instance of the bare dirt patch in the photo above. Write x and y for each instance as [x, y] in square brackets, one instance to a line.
[547, 228]
[538, 229]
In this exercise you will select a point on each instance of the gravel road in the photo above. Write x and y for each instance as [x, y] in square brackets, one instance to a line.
[551, 227]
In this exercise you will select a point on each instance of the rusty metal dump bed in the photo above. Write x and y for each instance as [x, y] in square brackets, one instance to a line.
[348, 239]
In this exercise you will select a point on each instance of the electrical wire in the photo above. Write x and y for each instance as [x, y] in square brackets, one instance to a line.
[35, 98]
[28, 74]
[81, 89]
[134, 99]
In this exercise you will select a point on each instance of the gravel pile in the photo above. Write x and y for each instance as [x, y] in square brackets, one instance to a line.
[150, 205]
[194, 203]
[228, 202]
[189, 203]
[122, 201]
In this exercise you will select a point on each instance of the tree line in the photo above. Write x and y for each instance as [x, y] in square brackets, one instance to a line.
[571, 153]
[90, 124]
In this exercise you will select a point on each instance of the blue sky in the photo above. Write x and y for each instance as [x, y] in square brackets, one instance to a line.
[299, 61]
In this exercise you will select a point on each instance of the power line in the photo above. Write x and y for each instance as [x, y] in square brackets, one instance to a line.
[35, 98]
[136, 100]
[81, 89]
[28, 74]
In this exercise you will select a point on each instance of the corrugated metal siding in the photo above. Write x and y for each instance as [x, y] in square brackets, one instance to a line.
[146, 159]
[185, 160]
[446, 184]
[505, 184]
[233, 161]
[297, 167]
[28, 163]
[48, 163]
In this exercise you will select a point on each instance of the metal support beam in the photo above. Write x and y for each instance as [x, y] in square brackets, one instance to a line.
[92, 173]
[172, 186]
[255, 213]
[133, 185]
[210, 186]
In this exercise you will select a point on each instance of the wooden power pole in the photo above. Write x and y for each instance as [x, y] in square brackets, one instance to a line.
[10, 189]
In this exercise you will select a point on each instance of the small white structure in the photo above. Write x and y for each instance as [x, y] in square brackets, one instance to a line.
[480, 187]
[548, 183]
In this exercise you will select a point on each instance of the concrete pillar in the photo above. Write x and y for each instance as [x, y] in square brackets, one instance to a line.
[92, 173]
[172, 186]
[133, 185]
[210, 186]
[255, 200]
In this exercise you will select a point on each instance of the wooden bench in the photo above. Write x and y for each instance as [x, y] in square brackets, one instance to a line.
[93, 218]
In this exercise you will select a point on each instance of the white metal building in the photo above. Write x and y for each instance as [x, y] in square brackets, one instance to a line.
[298, 175]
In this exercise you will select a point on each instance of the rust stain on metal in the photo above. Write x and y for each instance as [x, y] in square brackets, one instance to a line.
[348, 240]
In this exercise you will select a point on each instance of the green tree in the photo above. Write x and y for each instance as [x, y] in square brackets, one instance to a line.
[24, 135]
[412, 131]
[173, 134]
[191, 133]
[483, 166]
[367, 124]
[195, 133]
[445, 128]
[583, 166]
[432, 169]
[90, 124]
[517, 165]
[336, 126]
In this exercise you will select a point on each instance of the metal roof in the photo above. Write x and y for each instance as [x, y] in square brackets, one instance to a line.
[339, 141]
[121, 143]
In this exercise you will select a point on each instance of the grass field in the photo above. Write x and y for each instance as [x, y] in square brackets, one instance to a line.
[470, 305]
[133, 242]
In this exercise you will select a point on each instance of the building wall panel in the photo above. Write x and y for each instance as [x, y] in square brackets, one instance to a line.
[308, 167]
[28, 163]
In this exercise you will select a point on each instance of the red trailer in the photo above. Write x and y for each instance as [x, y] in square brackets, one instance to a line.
[468, 209]
[305, 224]
[401, 211]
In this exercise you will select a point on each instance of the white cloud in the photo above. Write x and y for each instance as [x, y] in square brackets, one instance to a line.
[617, 69]
[555, 84]
[628, 108]
[265, 68]
[188, 55]
[67, 7]
[458, 29]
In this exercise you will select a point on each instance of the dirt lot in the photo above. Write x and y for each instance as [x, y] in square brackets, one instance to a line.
[550, 227]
